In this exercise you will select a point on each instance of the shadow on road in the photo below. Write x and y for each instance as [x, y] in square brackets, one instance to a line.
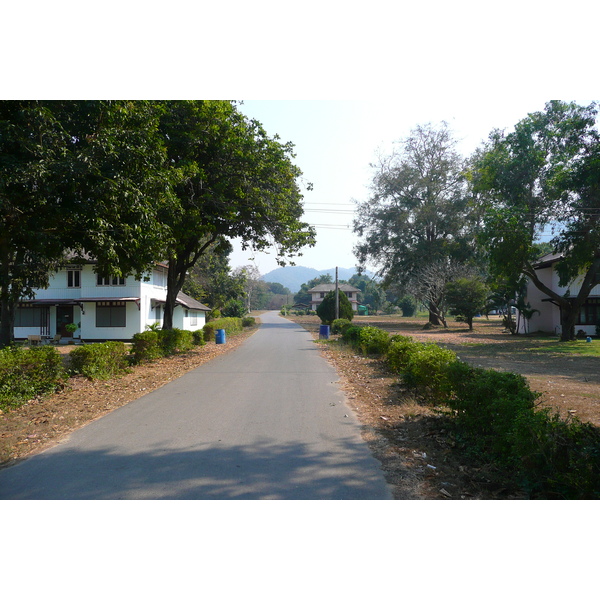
[263, 471]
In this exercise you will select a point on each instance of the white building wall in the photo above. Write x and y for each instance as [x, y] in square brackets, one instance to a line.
[549, 318]
[137, 318]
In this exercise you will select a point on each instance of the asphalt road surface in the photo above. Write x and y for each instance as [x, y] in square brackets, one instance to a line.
[265, 421]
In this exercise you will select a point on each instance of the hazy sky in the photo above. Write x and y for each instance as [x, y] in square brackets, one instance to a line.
[337, 79]
[336, 140]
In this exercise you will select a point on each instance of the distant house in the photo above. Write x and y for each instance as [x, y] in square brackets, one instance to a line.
[103, 308]
[319, 292]
[548, 317]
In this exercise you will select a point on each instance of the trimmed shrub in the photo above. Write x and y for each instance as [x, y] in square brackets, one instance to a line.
[27, 373]
[175, 341]
[339, 325]
[426, 370]
[372, 340]
[146, 346]
[351, 335]
[399, 350]
[198, 337]
[557, 458]
[100, 361]
[487, 406]
[231, 325]
[248, 322]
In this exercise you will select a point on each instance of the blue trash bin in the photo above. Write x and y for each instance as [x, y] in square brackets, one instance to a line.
[324, 332]
[220, 336]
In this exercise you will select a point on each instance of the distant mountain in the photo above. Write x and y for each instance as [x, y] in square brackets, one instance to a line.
[293, 277]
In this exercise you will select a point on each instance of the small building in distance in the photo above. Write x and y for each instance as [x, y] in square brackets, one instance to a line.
[319, 292]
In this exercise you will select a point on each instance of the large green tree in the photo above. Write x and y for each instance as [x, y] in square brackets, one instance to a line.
[84, 176]
[233, 181]
[545, 175]
[418, 211]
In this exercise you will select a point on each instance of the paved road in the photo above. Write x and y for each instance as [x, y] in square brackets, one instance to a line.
[265, 421]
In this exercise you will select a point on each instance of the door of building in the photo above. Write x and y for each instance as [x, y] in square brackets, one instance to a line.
[64, 316]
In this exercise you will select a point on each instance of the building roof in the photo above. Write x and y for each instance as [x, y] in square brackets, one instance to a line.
[189, 302]
[330, 287]
[547, 260]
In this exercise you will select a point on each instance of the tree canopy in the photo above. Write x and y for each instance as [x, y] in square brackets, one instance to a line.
[233, 181]
[545, 176]
[133, 182]
[418, 211]
[78, 176]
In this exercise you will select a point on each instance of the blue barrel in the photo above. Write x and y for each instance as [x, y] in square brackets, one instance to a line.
[324, 332]
[220, 336]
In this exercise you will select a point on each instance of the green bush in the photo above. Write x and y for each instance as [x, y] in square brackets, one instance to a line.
[372, 340]
[398, 352]
[175, 341]
[231, 325]
[198, 337]
[495, 416]
[351, 335]
[150, 345]
[248, 322]
[234, 308]
[26, 373]
[557, 458]
[100, 361]
[487, 405]
[339, 325]
[145, 346]
[426, 370]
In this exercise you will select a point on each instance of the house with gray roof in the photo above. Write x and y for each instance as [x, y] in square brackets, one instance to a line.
[319, 292]
[103, 308]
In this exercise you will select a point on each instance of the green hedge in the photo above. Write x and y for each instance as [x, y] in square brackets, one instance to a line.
[339, 325]
[100, 361]
[28, 372]
[231, 325]
[175, 341]
[495, 418]
[145, 346]
[150, 345]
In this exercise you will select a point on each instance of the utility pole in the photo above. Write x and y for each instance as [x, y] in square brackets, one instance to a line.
[337, 295]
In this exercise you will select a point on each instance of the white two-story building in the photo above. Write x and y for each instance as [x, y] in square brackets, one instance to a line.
[103, 308]
[319, 292]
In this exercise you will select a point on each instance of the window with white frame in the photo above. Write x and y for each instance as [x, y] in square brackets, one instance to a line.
[73, 278]
[104, 281]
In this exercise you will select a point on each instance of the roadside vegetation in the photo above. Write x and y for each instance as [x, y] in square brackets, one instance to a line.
[491, 417]
[30, 373]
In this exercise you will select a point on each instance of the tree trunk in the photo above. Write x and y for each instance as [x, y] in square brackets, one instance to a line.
[434, 317]
[568, 316]
[7, 318]
[174, 285]
[7, 304]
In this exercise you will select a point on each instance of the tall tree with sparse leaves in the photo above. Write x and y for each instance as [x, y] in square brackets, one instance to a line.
[418, 211]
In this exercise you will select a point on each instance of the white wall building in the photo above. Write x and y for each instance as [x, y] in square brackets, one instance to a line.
[111, 308]
[319, 292]
[548, 317]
